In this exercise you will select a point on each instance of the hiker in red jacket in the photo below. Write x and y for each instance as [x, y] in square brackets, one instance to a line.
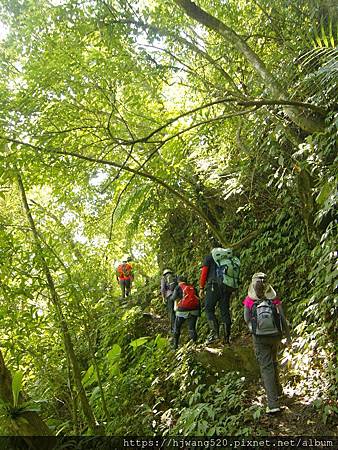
[218, 280]
[124, 276]
[187, 307]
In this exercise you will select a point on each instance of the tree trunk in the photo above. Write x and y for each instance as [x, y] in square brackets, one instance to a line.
[68, 344]
[5, 382]
[296, 114]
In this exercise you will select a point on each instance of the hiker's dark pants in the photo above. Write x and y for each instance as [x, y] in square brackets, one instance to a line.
[179, 321]
[220, 294]
[125, 286]
[266, 348]
[171, 313]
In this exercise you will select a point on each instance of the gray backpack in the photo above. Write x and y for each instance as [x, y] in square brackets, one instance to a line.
[170, 282]
[265, 319]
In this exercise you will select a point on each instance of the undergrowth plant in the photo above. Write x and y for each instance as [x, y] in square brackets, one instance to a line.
[220, 409]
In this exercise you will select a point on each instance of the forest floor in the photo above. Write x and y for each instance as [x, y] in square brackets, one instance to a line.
[298, 417]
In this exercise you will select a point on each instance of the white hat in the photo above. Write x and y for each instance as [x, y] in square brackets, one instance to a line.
[124, 258]
[269, 291]
[259, 275]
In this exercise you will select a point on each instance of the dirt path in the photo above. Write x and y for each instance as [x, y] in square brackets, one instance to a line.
[298, 417]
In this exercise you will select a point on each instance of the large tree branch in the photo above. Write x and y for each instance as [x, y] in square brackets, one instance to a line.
[154, 152]
[174, 119]
[296, 114]
[276, 102]
[254, 102]
[184, 198]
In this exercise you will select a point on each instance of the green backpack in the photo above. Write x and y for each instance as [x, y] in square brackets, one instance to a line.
[227, 267]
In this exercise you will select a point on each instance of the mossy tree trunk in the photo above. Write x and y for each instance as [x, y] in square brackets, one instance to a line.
[67, 340]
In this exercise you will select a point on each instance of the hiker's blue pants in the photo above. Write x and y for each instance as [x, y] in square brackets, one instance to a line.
[179, 321]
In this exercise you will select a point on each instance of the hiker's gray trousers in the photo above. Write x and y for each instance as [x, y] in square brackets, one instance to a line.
[266, 348]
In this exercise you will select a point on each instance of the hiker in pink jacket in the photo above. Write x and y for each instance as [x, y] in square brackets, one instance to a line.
[264, 316]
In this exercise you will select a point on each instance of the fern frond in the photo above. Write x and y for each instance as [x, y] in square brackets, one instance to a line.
[320, 81]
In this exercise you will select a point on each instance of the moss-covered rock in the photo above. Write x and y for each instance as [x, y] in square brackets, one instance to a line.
[233, 358]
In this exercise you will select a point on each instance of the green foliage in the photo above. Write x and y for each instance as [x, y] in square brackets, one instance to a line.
[135, 388]
[220, 409]
[89, 377]
[139, 342]
[312, 373]
[8, 411]
[147, 88]
[16, 387]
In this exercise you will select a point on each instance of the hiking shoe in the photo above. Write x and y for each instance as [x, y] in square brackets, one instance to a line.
[272, 410]
[211, 339]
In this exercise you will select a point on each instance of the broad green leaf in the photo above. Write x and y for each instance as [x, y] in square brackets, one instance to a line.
[89, 377]
[114, 369]
[139, 342]
[114, 354]
[160, 341]
[324, 193]
[16, 386]
[95, 394]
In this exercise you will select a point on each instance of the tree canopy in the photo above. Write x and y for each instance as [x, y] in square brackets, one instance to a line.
[158, 129]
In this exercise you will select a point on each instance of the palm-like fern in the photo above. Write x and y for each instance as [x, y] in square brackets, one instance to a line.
[320, 66]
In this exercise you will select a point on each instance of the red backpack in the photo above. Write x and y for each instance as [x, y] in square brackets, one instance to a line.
[190, 301]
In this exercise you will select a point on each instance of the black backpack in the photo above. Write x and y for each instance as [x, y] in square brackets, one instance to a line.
[265, 319]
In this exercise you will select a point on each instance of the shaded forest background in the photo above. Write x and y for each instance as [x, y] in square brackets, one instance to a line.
[156, 128]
